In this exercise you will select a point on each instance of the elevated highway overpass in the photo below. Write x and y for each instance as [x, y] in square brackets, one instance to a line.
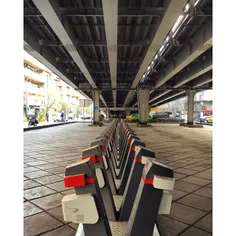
[124, 54]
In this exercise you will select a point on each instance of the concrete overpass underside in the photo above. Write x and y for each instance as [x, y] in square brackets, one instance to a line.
[121, 47]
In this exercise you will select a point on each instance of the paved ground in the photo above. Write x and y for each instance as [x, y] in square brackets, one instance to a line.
[48, 151]
[189, 152]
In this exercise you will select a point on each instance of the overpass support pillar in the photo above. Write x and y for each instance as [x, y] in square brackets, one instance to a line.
[190, 94]
[189, 124]
[143, 99]
[95, 106]
[107, 114]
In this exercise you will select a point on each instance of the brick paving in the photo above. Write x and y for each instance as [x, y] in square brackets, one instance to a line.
[46, 154]
[187, 151]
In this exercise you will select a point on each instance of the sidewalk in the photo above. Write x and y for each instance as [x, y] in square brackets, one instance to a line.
[52, 123]
[42, 125]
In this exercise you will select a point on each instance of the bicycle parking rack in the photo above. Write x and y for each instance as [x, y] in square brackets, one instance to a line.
[144, 184]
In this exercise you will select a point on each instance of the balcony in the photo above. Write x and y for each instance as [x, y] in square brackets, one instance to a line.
[35, 77]
[74, 93]
[31, 89]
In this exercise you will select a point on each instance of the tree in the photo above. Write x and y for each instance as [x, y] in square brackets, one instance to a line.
[63, 105]
[49, 99]
[177, 106]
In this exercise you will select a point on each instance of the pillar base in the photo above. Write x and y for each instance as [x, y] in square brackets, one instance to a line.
[143, 124]
[190, 125]
[96, 124]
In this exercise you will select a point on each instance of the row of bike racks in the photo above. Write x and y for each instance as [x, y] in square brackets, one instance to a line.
[120, 187]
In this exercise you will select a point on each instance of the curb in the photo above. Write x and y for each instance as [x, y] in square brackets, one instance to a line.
[47, 126]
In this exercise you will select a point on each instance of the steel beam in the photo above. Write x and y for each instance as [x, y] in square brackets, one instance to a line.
[202, 41]
[76, 11]
[98, 60]
[204, 79]
[177, 94]
[122, 12]
[64, 60]
[196, 71]
[103, 100]
[168, 99]
[130, 70]
[122, 109]
[75, 71]
[172, 13]
[99, 25]
[160, 95]
[171, 99]
[81, 43]
[51, 13]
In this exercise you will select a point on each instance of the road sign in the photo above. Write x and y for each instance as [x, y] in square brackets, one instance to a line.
[96, 108]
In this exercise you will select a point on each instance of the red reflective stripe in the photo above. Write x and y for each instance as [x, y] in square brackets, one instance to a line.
[147, 181]
[138, 159]
[74, 181]
[93, 158]
[129, 142]
[77, 181]
[90, 180]
[132, 149]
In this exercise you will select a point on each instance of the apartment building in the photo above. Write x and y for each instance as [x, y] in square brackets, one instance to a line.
[40, 81]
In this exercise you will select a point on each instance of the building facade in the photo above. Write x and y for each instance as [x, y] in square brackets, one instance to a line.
[46, 92]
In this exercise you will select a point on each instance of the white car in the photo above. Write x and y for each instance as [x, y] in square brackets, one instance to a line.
[58, 117]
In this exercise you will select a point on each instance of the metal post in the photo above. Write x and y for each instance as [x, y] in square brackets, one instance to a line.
[96, 106]
[143, 99]
[191, 94]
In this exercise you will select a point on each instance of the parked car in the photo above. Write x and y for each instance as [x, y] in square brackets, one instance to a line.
[210, 119]
[129, 117]
[86, 117]
[70, 116]
[58, 117]
[161, 115]
[206, 119]
[135, 117]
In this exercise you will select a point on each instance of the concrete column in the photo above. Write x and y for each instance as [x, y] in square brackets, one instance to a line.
[107, 114]
[190, 94]
[143, 99]
[95, 106]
